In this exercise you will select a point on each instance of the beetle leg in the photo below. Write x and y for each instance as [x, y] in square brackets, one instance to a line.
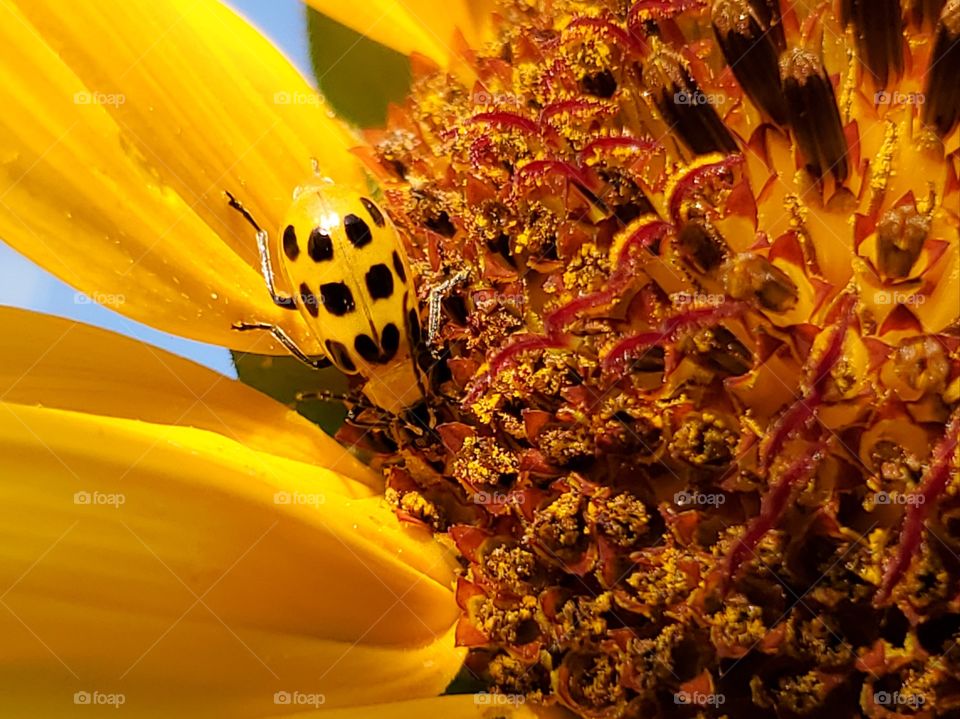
[436, 297]
[266, 265]
[283, 338]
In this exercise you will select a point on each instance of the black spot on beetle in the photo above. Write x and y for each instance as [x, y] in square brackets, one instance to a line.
[319, 246]
[379, 282]
[413, 326]
[309, 300]
[398, 267]
[373, 211]
[358, 231]
[390, 341]
[340, 356]
[290, 247]
[337, 298]
[366, 348]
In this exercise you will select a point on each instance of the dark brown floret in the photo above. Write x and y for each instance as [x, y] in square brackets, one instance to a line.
[687, 109]
[877, 26]
[901, 234]
[750, 34]
[942, 94]
[925, 12]
[751, 277]
[814, 116]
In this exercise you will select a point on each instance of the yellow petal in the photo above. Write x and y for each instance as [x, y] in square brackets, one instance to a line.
[424, 26]
[461, 706]
[116, 151]
[60, 363]
[195, 576]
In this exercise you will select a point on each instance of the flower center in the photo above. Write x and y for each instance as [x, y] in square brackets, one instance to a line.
[689, 384]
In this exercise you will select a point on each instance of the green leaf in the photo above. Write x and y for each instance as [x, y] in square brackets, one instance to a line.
[466, 682]
[283, 377]
[359, 77]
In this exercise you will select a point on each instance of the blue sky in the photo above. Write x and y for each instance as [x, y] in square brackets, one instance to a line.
[23, 284]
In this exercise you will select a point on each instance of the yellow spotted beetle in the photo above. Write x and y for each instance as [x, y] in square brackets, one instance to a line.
[353, 286]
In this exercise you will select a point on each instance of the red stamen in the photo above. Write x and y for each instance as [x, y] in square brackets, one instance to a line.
[701, 316]
[771, 509]
[562, 316]
[796, 417]
[616, 358]
[614, 34]
[641, 239]
[509, 354]
[604, 145]
[932, 486]
[800, 412]
[539, 169]
[661, 9]
[506, 120]
[663, 12]
[578, 106]
[697, 178]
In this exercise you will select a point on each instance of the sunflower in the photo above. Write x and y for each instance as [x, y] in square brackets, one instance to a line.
[175, 540]
[689, 275]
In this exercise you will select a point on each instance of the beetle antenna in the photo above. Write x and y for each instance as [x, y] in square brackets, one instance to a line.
[238, 206]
